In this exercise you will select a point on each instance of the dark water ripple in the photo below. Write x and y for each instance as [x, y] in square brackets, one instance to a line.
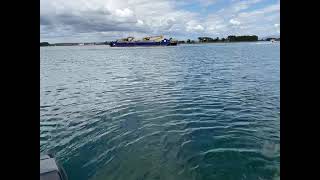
[185, 112]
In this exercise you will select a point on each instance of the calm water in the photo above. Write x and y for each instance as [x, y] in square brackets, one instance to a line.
[164, 113]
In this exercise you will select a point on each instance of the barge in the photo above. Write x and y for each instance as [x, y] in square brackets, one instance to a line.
[146, 41]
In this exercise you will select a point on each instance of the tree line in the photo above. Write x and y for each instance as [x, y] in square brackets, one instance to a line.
[231, 38]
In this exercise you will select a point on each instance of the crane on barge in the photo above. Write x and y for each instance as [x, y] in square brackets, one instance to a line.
[153, 38]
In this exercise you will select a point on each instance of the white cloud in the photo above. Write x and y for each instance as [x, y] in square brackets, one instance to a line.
[139, 22]
[124, 13]
[234, 22]
[277, 26]
[199, 27]
[242, 5]
[194, 26]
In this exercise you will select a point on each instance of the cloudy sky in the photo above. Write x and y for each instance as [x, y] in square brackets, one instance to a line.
[104, 20]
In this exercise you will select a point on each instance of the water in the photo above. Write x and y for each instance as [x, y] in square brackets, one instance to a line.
[165, 113]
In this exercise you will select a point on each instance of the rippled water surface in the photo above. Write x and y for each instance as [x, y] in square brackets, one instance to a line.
[164, 113]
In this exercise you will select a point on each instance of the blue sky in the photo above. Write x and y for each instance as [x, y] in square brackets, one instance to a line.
[104, 20]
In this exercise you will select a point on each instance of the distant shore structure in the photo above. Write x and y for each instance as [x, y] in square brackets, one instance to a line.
[170, 42]
[146, 41]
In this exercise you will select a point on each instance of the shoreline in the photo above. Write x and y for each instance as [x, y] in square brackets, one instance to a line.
[197, 43]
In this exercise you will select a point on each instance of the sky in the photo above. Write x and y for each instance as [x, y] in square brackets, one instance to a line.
[106, 20]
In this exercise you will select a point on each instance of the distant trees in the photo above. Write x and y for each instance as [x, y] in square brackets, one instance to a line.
[242, 38]
[231, 38]
[190, 41]
[205, 39]
[44, 44]
[208, 39]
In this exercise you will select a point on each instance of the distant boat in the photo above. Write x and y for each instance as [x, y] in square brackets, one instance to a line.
[173, 43]
[146, 41]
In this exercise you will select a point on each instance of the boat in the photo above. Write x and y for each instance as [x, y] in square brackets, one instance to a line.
[173, 42]
[146, 41]
[50, 169]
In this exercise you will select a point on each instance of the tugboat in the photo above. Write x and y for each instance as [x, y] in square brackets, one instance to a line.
[146, 41]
